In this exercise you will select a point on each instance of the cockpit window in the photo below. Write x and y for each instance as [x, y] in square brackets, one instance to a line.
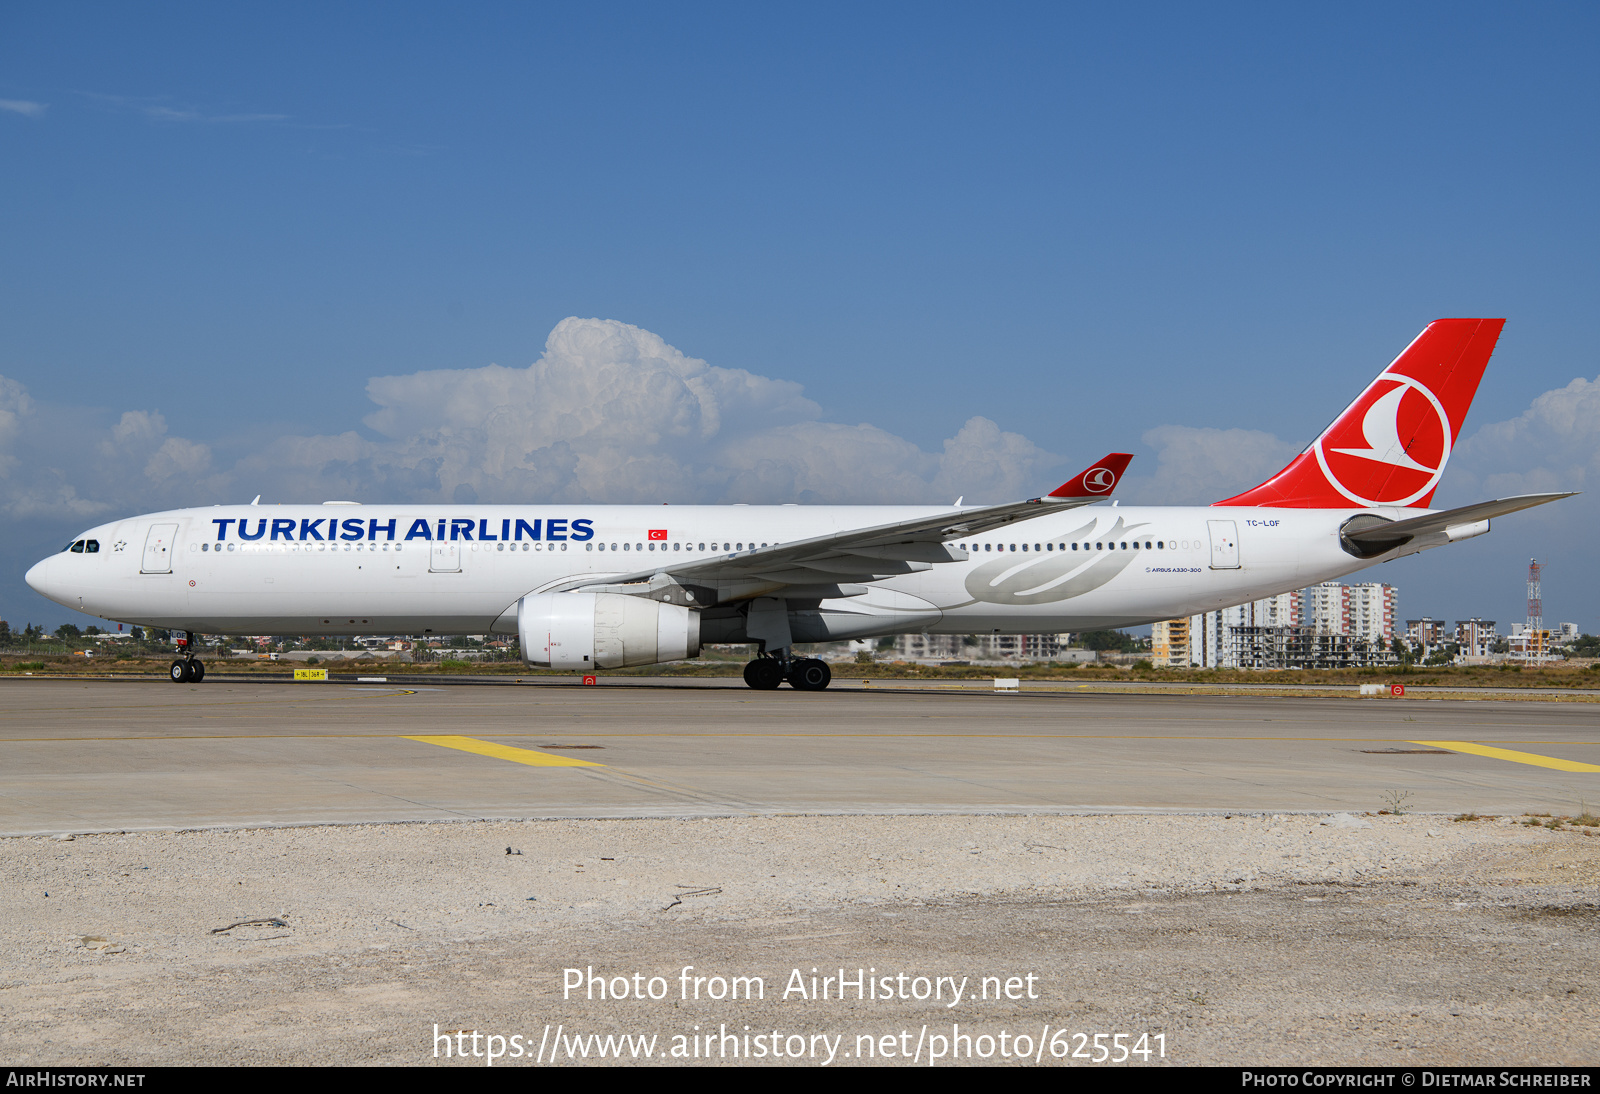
[91, 546]
[77, 548]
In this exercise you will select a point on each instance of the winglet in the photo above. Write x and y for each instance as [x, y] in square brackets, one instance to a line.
[1098, 481]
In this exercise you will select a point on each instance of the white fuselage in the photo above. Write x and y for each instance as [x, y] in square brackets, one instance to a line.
[347, 569]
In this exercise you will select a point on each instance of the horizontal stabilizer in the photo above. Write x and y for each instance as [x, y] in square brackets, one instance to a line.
[1467, 514]
[1367, 535]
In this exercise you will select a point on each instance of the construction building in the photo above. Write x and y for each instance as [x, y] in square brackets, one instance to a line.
[1325, 626]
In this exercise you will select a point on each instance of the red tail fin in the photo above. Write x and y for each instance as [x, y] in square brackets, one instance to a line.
[1390, 446]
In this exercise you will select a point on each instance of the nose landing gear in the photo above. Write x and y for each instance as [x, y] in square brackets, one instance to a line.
[188, 669]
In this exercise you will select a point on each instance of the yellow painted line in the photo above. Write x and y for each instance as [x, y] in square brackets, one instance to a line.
[587, 734]
[1507, 754]
[505, 752]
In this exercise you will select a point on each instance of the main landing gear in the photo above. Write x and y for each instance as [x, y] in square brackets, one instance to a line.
[188, 669]
[803, 673]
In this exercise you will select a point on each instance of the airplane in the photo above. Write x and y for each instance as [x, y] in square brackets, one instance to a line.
[591, 587]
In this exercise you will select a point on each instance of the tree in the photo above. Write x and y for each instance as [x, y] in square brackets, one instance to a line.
[1444, 655]
[67, 632]
[1587, 646]
[1106, 640]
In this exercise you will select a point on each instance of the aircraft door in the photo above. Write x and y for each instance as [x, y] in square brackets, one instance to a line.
[158, 549]
[444, 557]
[1224, 544]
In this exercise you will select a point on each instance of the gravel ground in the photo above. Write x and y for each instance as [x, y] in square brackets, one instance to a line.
[1280, 939]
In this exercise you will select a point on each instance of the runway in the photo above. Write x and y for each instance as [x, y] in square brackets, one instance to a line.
[98, 755]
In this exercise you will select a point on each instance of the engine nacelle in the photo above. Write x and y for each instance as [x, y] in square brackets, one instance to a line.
[604, 631]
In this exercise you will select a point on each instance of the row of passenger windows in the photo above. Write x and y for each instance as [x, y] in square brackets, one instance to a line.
[280, 548]
[739, 546]
[91, 546]
[1121, 545]
[275, 547]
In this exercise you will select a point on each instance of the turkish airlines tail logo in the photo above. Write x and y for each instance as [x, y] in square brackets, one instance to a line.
[1391, 445]
[1380, 429]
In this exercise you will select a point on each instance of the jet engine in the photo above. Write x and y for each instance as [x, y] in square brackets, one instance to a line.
[604, 631]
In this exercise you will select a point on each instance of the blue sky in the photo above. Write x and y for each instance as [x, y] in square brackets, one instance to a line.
[1192, 233]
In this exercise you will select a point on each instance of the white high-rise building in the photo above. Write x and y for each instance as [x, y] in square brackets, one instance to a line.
[1370, 611]
[1328, 608]
[1476, 637]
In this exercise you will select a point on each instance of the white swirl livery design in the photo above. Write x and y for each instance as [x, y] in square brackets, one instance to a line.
[1059, 575]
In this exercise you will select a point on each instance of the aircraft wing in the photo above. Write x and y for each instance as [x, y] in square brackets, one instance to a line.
[828, 566]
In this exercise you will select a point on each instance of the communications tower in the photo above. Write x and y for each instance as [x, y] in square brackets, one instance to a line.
[1535, 628]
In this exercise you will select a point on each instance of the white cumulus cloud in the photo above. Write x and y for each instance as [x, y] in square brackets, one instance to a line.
[1197, 466]
[613, 413]
[1553, 445]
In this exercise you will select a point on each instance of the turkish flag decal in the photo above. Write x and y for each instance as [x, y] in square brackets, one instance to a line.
[658, 533]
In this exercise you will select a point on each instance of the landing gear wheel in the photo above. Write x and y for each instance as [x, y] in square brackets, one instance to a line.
[180, 672]
[197, 671]
[763, 674]
[810, 674]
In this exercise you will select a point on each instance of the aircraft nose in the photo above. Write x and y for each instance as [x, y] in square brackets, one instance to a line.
[38, 577]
